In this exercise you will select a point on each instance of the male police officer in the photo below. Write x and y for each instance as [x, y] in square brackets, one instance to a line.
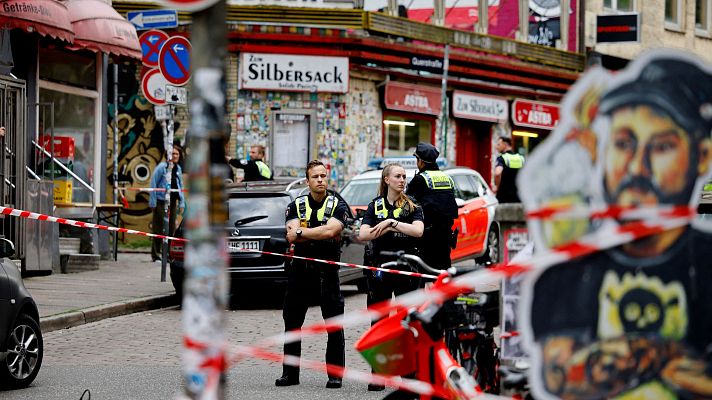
[434, 191]
[505, 172]
[255, 168]
[314, 225]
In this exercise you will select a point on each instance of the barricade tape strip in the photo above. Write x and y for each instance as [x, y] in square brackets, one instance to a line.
[615, 212]
[597, 241]
[42, 217]
[344, 264]
[139, 189]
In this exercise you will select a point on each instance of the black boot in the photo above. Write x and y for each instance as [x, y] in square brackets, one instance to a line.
[333, 383]
[290, 376]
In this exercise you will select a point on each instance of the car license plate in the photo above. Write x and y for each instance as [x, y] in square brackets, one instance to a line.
[236, 246]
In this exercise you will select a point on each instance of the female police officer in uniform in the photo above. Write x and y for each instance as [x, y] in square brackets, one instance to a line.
[392, 222]
[314, 225]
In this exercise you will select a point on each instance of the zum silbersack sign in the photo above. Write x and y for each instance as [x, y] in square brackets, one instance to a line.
[286, 72]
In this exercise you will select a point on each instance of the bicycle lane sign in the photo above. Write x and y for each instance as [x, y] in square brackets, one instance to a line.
[174, 60]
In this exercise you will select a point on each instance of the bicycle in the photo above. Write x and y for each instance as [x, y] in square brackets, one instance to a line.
[411, 343]
[472, 342]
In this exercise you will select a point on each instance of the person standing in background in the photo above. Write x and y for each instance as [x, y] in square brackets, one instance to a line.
[506, 169]
[156, 199]
[255, 168]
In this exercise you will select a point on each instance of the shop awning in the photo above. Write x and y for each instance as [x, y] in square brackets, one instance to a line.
[98, 27]
[46, 17]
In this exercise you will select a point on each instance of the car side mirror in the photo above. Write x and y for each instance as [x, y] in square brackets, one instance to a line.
[460, 202]
[7, 248]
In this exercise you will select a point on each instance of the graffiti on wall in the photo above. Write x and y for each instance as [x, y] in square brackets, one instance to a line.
[140, 149]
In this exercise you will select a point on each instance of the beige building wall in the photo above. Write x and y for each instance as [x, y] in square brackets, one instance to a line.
[655, 32]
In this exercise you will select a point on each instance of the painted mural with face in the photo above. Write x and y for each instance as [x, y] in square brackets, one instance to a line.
[630, 322]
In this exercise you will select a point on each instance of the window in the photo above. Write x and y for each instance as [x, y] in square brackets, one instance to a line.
[619, 5]
[68, 67]
[466, 187]
[702, 16]
[673, 14]
[403, 135]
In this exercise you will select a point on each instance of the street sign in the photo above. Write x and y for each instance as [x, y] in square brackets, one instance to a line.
[176, 95]
[151, 42]
[162, 113]
[153, 19]
[153, 86]
[189, 5]
[174, 60]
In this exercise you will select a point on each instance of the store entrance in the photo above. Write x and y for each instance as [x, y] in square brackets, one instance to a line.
[474, 146]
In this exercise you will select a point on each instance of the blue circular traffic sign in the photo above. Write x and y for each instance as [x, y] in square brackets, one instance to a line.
[174, 60]
[151, 42]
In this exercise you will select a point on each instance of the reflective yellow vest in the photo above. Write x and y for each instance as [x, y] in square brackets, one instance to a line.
[438, 180]
[382, 211]
[263, 169]
[323, 214]
[513, 161]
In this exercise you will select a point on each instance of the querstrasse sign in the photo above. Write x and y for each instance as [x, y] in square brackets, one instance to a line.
[294, 73]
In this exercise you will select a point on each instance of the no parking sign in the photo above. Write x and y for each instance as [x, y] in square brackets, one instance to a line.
[151, 42]
[174, 60]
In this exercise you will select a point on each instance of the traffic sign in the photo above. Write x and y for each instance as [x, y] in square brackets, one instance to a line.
[174, 60]
[153, 19]
[162, 113]
[189, 5]
[176, 95]
[153, 86]
[151, 42]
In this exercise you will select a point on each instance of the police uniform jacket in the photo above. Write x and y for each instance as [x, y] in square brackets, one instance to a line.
[255, 170]
[312, 214]
[380, 209]
[435, 192]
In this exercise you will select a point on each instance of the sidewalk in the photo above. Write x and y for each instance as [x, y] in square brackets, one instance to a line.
[131, 284]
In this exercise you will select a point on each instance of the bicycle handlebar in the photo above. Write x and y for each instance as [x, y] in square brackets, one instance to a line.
[404, 258]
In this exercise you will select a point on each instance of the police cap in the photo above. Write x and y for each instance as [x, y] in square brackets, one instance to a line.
[426, 152]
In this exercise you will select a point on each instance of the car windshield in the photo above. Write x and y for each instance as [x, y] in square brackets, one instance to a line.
[360, 192]
[271, 207]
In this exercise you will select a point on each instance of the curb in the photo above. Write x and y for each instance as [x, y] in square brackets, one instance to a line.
[111, 310]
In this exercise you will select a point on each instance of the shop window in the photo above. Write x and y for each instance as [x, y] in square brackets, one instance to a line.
[74, 117]
[403, 135]
[71, 68]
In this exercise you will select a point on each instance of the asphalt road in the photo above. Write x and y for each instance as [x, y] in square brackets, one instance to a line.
[138, 357]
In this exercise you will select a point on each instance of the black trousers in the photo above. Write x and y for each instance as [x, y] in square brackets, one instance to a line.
[435, 247]
[311, 285]
[157, 223]
[382, 288]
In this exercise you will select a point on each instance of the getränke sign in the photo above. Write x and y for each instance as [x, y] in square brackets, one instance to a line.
[286, 72]
[479, 107]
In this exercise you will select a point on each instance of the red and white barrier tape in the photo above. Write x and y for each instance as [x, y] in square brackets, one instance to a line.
[139, 189]
[614, 212]
[602, 239]
[42, 217]
[344, 264]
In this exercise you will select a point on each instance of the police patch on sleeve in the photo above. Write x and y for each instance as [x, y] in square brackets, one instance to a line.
[243, 162]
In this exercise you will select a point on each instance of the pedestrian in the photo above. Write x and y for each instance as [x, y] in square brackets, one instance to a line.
[314, 223]
[506, 168]
[2, 131]
[156, 199]
[392, 222]
[255, 168]
[633, 321]
[435, 192]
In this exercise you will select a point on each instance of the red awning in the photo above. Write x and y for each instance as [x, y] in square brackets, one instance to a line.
[98, 27]
[46, 17]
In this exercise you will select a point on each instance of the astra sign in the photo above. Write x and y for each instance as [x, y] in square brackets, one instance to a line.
[294, 73]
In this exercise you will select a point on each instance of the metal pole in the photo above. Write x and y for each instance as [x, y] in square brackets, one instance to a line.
[444, 114]
[168, 145]
[205, 289]
[524, 21]
[116, 154]
[564, 24]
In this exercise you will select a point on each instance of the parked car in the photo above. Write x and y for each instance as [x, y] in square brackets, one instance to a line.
[256, 222]
[20, 335]
[478, 233]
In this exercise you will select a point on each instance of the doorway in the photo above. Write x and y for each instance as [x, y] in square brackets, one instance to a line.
[474, 146]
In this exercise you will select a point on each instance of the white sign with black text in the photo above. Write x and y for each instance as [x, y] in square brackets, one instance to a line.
[294, 73]
[479, 107]
[163, 113]
[176, 95]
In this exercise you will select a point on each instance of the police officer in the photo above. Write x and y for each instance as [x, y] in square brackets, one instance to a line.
[435, 192]
[314, 225]
[392, 222]
[506, 169]
[255, 168]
